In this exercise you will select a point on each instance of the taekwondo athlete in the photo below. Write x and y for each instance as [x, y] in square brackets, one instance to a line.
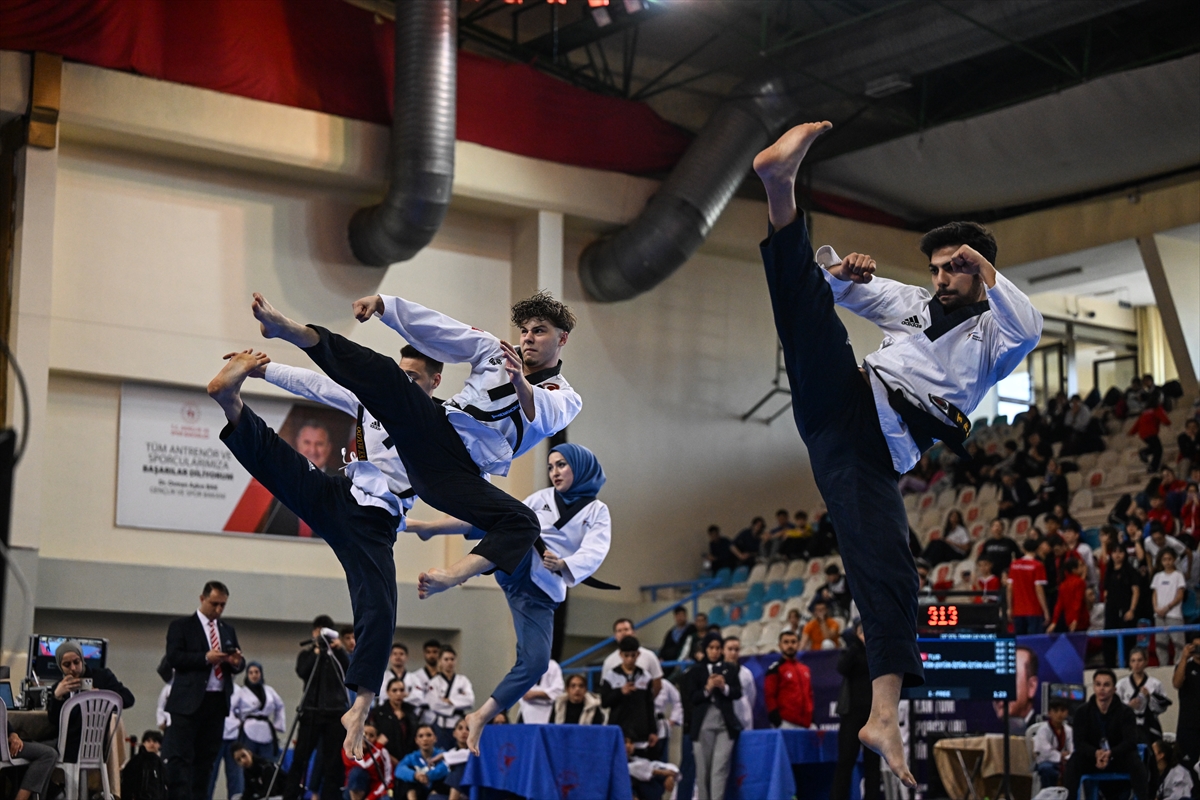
[864, 427]
[577, 530]
[357, 514]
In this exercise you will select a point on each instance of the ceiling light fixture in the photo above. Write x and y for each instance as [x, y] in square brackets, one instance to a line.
[1062, 273]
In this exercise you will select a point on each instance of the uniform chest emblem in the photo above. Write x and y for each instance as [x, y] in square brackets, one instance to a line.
[913, 322]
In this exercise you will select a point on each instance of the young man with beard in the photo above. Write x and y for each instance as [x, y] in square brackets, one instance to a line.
[864, 427]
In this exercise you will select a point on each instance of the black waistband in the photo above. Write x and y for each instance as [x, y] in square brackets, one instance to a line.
[925, 428]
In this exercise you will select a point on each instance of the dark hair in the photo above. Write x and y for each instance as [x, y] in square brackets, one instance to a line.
[729, 639]
[832, 569]
[619, 620]
[1058, 704]
[983, 559]
[714, 528]
[217, 585]
[1051, 517]
[431, 643]
[1034, 665]
[346, 629]
[702, 614]
[629, 644]
[1112, 676]
[543, 306]
[400, 646]
[575, 675]
[1030, 545]
[1141, 650]
[786, 632]
[802, 513]
[234, 749]
[677, 609]
[783, 511]
[424, 725]
[394, 680]
[152, 735]
[957, 233]
[323, 621]
[447, 649]
[1055, 540]
[1071, 564]
[432, 365]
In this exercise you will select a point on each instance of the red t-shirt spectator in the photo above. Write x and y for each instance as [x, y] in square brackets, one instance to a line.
[378, 763]
[1071, 607]
[989, 585]
[1162, 515]
[1148, 422]
[788, 690]
[1023, 575]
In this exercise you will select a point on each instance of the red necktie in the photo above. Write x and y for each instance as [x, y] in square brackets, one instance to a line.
[215, 643]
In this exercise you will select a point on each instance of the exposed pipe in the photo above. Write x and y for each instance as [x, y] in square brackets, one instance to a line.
[422, 146]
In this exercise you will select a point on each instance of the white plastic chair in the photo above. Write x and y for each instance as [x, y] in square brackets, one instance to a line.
[97, 710]
[1082, 500]
[776, 572]
[758, 574]
[796, 569]
[6, 759]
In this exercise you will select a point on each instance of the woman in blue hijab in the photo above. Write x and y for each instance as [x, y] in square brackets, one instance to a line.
[576, 531]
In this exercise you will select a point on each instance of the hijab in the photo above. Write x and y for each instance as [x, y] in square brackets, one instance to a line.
[712, 636]
[588, 477]
[257, 688]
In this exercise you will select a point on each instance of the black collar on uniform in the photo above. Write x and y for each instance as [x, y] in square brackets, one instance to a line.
[942, 323]
[567, 511]
[534, 378]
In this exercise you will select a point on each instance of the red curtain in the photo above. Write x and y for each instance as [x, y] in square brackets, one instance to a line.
[329, 56]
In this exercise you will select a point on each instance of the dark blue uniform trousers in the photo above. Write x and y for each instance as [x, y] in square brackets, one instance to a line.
[533, 618]
[837, 419]
[441, 471]
[362, 537]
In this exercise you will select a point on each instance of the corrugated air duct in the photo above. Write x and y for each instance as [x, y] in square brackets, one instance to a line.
[422, 147]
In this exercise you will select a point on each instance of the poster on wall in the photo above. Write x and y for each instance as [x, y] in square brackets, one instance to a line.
[174, 473]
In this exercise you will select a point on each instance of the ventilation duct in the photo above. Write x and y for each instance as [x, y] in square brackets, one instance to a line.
[422, 146]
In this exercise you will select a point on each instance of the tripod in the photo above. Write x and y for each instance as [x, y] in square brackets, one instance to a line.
[324, 656]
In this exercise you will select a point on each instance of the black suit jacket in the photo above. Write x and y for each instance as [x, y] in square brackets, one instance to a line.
[187, 646]
[693, 695]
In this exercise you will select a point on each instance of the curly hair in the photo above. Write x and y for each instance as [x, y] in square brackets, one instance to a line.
[543, 306]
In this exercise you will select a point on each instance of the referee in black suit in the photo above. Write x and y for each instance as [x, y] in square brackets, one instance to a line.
[204, 653]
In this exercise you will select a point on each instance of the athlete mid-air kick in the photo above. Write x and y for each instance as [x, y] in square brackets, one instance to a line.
[865, 426]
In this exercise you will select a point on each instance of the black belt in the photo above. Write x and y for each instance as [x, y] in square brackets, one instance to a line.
[924, 427]
[539, 545]
[512, 412]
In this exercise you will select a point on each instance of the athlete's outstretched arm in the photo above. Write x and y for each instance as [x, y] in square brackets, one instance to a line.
[435, 334]
[858, 289]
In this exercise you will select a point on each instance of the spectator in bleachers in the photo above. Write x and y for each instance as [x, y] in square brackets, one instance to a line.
[368, 778]
[923, 570]
[917, 479]
[1105, 734]
[1031, 463]
[577, 706]
[451, 697]
[985, 580]
[799, 538]
[853, 709]
[1053, 744]
[1172, 490]
[1160, 515]
[420, 772]
[836, 591]
[1015, 496]
[1071, 612]
[1158, 540]
[396, 720]
[1121, 592]
[1186, 680]
[1134, 403]
[625, 692]
[1031, 422]
[1189, 445]
[787, 688]
[793, 623]
[998, 548]
[1189, 517]
[679, 638]
[720, 551]
[455, 758]
[744, 705]
[397, 668]
[1146, 427]
[773, 539]
[1081, 550]
[1053, 491]
[1176, 777]
[822, 632]
[651, 779]
[1145, 695]
[1055, 566]
[1096, 613]
[702, 627]
[824, 538]
[539, 700]
[649, 663]
[748, 543]
[143, 777]
[711, 687]
[1169, 588]
[1027, 592]
[954, 544]
[1063, 515]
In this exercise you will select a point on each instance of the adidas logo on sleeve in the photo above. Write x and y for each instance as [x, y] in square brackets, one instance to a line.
[913, 322]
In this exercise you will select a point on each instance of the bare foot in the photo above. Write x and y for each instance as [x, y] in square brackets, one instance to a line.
[475, 725]
[225, 388]
[275, 325]
[780, 161]
[435, 581]
[883, 737]
[354, 720]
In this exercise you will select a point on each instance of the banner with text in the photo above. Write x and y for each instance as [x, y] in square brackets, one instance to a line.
[175, 474]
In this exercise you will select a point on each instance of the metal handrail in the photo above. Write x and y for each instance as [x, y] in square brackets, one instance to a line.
[654, 588]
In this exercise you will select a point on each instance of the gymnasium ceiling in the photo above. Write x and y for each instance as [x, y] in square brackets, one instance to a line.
[1108, 99]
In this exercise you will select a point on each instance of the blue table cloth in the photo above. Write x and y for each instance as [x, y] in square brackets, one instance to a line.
[551, 762]
[763, 761]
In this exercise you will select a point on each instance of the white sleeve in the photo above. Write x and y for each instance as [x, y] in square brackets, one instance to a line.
[1045, 746]
[749, 689]
[436, 335]
[311, 386]
[584, 562]
[464, 694]
[1070, 738]
[554, 686]
[1017, 326]
[161, 717]
[882, 301]
[553, 409]
[654, 666]
[279, 718]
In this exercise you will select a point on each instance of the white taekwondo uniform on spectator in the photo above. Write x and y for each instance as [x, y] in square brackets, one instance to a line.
[450, 699]
[960, 366]
[261, 723]
[420, 689]
[582, 543]
[537, 712]
[646, 659]
[1045, 744]
[485, 413]
[743, 707]
[668, 696]
[379, 481]
[162, 717]
[1137, 701]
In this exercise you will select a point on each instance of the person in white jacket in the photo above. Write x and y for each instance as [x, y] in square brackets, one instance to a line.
[576, 531]
[538, 702]
[941, 354]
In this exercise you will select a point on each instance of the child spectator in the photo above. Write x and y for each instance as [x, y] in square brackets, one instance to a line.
[822, 632]
[1189, 517]
[1070, 610]
[1053, 744]
[652, 780]
[1177, 782]
[1144, 694]
[625, 690]
[985, 581]
[370, 777]
[1169, 587]
[456, 759]
[418, 775]
[143, 777]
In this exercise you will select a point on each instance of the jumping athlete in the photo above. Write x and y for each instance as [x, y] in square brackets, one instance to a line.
[864, 427]
[576, 530]
[357, 514]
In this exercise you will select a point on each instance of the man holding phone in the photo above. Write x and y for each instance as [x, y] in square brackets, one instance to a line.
[78, 676]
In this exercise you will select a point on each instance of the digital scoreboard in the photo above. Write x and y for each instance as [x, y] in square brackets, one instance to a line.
[937, 618]
[961, 665]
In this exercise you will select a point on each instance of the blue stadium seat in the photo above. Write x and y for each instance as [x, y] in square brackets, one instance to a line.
[723, 576]
[717, 616]
[776, 592]
[757, 593]
[1091, 537]
[741, 574]
[754, 612]
[795, 587]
